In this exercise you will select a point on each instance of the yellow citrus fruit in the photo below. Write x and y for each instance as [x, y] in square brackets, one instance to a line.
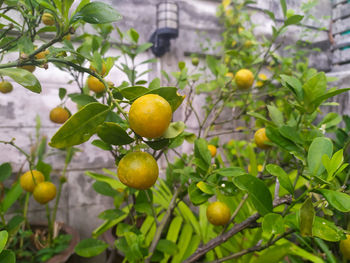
[212, 150]
[59, 115]
[138, 170]
[259, 83]
[150, 116]
[248, 44]
[103, 71]
[44, 192]
[244, 79]
[42, 54]
[262, 76]
[67, 37]
[30, 68]
[5, 87]
[260, 139]
[95, 85]
[195, 61]
[30, 179]
[218, 213]
[344, 246]
[48, 19]
[260, 168]
[229, 75]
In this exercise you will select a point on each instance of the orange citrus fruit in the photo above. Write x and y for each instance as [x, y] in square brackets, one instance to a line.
[48, 19]
[42, 54]
[260, 139]
[244, 79]
[59, 115]
[344, 246]
[5, 87]
[138, 170]
[150, 116]
[30, 179]
[103, 71]
[212, 150]
[44, 192]
[218, 213]
[95, 85]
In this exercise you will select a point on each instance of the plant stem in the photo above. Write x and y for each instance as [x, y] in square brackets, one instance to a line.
[25, 212]
[162, 224]
[49, 224]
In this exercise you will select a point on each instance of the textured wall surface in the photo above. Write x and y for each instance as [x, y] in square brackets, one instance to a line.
[80, 205]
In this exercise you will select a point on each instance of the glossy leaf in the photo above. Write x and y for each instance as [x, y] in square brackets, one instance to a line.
[275, 115]
[81, 126]
[3, 239]
[167, 246]
[171, 95]
[318, 148]
[306, 217]
[159, 144]
[292, 20]
[230, 171]
[174, 130]
[197, 197]
[104, 188]
[282, 176]
[23, 78]
[90, 247]
[284, 7]
[327, 230]
[206, 188]
[97, 13]
[7, 256]
[5, 171]
[294, 85]
[315, 87]
[132, 93]
[273, 224]
[81, 99]
[258, 191]
[338, 200]
[11, 196]
[112, 133]
[201, 151]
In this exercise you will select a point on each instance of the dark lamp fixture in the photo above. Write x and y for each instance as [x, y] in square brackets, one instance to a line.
[167, 27]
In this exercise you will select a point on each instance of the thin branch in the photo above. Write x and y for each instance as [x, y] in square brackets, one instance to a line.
[234, 230]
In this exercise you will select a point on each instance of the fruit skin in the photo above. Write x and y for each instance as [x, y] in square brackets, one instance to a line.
[244, 79]
[260, 139]
[150, 116]
[67, 37]
[59, 115]
[95, 85]
[138, 170]
[5, 87]
[195, 61]
[26, 180]
[30, 68]
[218, 213]
[42, 54]
[48, 19]
[212, 150]
[103, 71]
[260, 168]
[344, 246]
[229, 75]
[44, 192]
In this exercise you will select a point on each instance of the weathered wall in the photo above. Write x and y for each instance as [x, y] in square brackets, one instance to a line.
[80, 205]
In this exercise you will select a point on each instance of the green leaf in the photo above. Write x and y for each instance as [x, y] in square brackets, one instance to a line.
[97, 13]
[292, 20]
[132, 93]
[170, 94]
[206, 188]
[291, 133]
[11, 197]
[174, 130]
[284, 7]
[338, 200]
[259, 117]
[133, 35]
[174, 229]
[328, 95]
[202, 152]
[143, 48]
[159, 144]
[230, 171]
[81, 126]
[142, 204]
[154, 84]
[306, 217]
[327, 230]
[102, 145]
[332, 165]
[212, 64]
[111, 214]
[90, 247]
[197, 197]
[318, 148]
[258, 191]
[23, 78]
[3, 239]
[294, 85]
[167, 247]
[315, 87]
[282, 176]
[273, 224]
[62, 93]
[112, 133]
[275, 115]
[115, 184]
[7, 256]
[104, 188]
[330, 120]
[81, 99]
[5, 171]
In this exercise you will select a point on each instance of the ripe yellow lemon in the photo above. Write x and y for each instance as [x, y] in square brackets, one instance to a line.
[59, 115]
[212, 150]
[44, 192]
[5, 87]
[48, 19]
[150, 116]
[218, 213]
[95, 85]
[138, 170]
[244, 79]
[30, 179]
[260, 139]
